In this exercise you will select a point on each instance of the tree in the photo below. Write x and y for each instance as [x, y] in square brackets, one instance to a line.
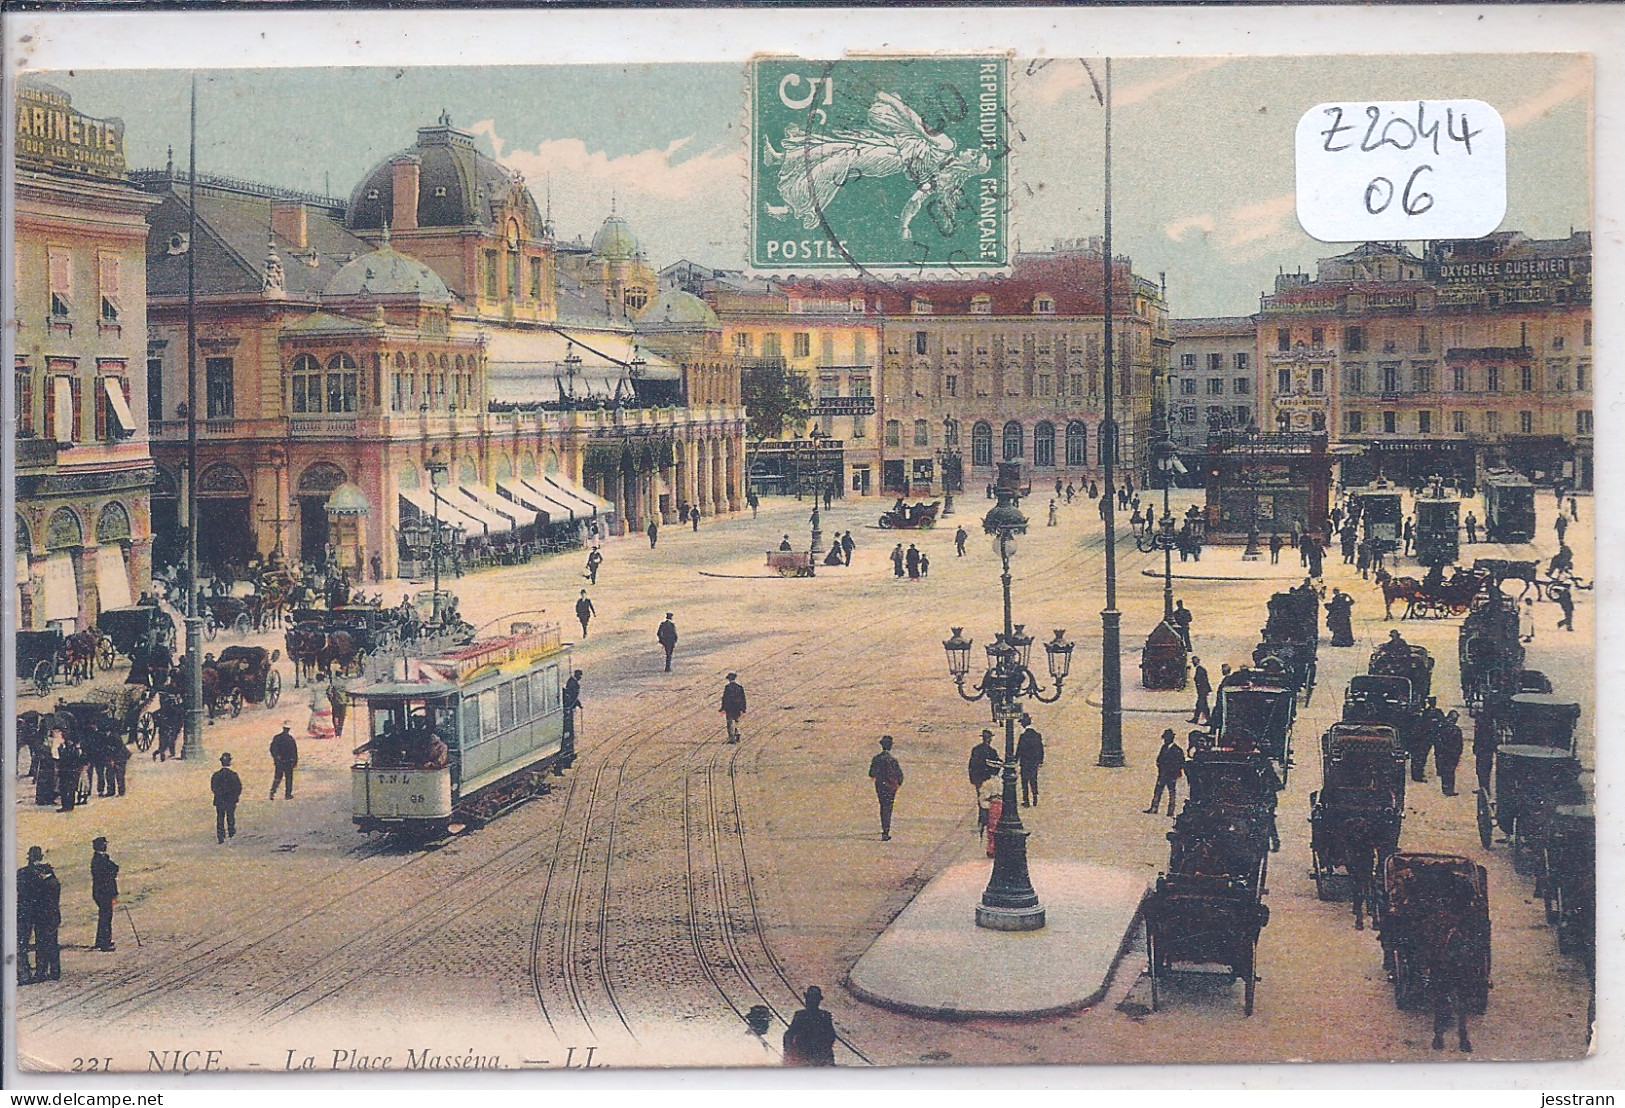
[775, 396]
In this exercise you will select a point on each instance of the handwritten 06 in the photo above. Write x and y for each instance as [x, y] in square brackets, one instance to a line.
[1406, 169]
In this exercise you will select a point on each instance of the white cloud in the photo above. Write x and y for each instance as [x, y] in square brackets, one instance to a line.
[660, 173]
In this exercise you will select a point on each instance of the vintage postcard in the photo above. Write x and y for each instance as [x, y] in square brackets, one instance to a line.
[892, 558]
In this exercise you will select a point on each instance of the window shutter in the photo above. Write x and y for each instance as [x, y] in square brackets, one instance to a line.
[61, 266]
[109, 274]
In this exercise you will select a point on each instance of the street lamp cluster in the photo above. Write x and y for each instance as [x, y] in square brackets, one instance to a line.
[1009, 902]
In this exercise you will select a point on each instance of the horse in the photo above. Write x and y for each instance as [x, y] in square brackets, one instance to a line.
[1500, 570]
[312, 648]
[80, 648]
[1408, 589]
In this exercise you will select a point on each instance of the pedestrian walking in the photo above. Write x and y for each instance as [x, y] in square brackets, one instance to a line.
[666, 636]
[653, 531]
[810, 1038]
[1070, 492]
[70, 766]
[1275, 548]
[170, 718]
[118, 762]
[338, 698]
[959, 542]
[1526, 621]
[1574, 509]
[1202, 713]
[1339, 618]
[1057, 486]
[1170, 768]
[227, 788]
[694, 520]
[755, 503]
[897, 559]
[1424, 734]
[912, 561]
[594, 559]
[847, 546]
[1349, 539]
[1314, 555]
[38, 883]
[1094, 491]
[887, 775]
[103, 890]
[585, 611]
[1471, 523]
[733, 705]
[925, 563]
[829, 497]
[1052, 513]
[1565, 600]
[1447, 746]
[1410, 533]
[1029, 757]
[284, 757]
[984, 766]
[1561, 525]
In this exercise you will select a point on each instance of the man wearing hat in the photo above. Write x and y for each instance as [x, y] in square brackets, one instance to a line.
[666, 636]
[284, 756]
[888, 778]
[983, 767]
[733, 705]
[810, 1038]
[39, 902]
[228, 789]
[1170, 768]
[103, 890]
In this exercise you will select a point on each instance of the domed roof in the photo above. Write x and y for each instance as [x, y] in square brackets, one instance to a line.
[676, 308]
[348, 500]
[387, 272]
[615, 241]
[457, 184]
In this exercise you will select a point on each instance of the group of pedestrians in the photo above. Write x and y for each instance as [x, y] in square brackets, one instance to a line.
[39, 911]
[912, 563]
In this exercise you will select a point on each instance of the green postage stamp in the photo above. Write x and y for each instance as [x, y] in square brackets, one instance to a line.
[880, 163]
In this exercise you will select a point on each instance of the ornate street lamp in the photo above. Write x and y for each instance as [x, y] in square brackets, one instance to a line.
[1009, 902]
[437, 467]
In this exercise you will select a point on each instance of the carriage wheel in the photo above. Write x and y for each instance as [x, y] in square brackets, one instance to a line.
[210, 628]
[242, 625]
[273, 688]
[1320, 876]
[43, 672]
[1252, 979]
[105, 654]
[236, 703]
[1486, 822]
[787, 571]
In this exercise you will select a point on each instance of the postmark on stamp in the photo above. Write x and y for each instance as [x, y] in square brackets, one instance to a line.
[880, 164]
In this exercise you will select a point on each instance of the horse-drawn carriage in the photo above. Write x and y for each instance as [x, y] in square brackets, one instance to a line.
[1434, 917]
[1434, 596]
[133, 632]
[42, 659]
[911, 517]
[1208, 908]
[240, 614]
[1355, 817]
[1396, 658]
[1537, 772]
[1568, 879]
[1255, 720]
[1488, 650]
[242, 675]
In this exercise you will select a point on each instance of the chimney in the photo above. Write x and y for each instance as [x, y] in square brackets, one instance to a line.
[403, 177]
[288, 220]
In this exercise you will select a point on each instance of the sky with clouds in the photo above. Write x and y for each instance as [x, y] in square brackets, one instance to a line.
[1202, 147]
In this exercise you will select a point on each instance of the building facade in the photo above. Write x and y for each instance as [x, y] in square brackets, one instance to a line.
[1212, 383]
[1474, 353]
[84, 476]
[351, 352]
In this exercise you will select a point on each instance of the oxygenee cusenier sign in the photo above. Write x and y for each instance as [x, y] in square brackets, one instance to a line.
[51, 136]
[1504, 269]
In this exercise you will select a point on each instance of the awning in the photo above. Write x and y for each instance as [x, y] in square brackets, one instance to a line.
[492, 523]
[562, 507]
[61, 587]
[529, 499]
[493, 502]
[449, 515]
[595, 504]
[112, 577]
[120, 406]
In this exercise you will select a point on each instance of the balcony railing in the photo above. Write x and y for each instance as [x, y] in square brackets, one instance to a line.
[322, 426]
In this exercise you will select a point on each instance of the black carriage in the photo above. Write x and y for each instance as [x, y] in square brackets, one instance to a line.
[1490, 654]
[244, 675]
[1568, 879]
[372, 628]
[1422, 899]
[1414, 663]
[1438, 529]
[1355, 817]
[41, 659]
[1509, 507]
[1291, 664]
[1224, 780]
[234, 613]
[1256, 719]
[1536, 772]
[130, 631]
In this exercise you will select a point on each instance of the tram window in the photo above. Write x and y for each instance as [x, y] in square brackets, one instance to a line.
[544, 690]
[505, 718]
[521, 701]
[471, 722]
[488, 713]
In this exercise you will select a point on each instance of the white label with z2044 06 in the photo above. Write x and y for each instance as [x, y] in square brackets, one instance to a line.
[1401, 169]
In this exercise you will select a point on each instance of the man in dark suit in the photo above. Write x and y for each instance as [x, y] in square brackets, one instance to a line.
[45, 897]
[1029, 757]
[284, 757]
[227, 788]
[733, 705]
[887, 775]
[666, 636]
[1202, 713]
[810, 1038]
[103, 890]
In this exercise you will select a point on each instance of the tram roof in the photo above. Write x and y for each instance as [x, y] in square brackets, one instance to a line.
[405, 689]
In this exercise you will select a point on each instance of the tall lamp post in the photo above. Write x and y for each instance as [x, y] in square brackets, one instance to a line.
[1166, 456]
[1009, 902]
[437, 467]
